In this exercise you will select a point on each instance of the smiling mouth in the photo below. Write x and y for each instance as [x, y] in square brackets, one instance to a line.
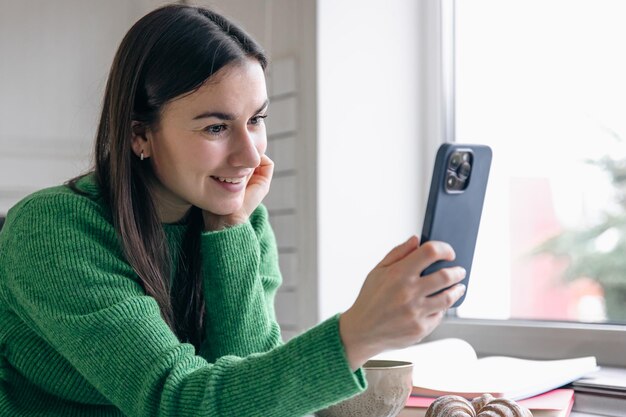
[229, 180]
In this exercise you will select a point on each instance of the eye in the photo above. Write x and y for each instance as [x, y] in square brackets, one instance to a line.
[215, 129]
[257, 119]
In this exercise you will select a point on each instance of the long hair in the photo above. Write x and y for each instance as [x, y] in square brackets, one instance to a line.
[169, 52]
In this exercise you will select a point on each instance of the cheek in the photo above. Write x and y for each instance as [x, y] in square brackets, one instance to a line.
[172, 160]
[261, 142]
[262, 148]
[205, 156]
[161, 159]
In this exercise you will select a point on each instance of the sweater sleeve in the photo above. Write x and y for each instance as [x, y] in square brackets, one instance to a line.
[65, 277]
[240, 265]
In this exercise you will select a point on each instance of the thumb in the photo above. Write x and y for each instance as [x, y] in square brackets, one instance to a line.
[263, 173]
[400, 251]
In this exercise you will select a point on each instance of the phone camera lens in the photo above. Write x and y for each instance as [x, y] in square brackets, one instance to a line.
[455, 160]
[451, 181]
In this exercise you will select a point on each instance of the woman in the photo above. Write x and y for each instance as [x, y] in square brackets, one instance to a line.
[146, 287]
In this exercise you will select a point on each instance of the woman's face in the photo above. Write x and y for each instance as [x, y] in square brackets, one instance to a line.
[208, 143]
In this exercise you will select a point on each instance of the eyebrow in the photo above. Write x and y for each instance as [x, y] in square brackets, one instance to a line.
[228, 116]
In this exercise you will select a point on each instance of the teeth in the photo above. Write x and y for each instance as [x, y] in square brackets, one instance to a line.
[230, 180]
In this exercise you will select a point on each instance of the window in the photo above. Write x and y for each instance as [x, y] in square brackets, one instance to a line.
[542, 82]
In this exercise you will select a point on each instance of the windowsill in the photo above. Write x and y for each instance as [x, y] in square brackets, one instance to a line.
[538, 340]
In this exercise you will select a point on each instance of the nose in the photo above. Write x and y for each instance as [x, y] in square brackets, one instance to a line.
[247, 149]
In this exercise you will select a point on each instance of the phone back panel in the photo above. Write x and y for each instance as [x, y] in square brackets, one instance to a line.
[454, 217]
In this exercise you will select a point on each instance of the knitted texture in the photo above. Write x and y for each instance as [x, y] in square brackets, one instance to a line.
[79, 336]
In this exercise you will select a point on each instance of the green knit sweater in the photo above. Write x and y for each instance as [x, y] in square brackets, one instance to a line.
[79, 336]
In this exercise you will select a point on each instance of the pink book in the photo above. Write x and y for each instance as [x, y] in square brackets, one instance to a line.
[555, 403]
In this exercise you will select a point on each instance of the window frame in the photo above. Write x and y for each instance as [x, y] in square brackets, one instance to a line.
[521, 338]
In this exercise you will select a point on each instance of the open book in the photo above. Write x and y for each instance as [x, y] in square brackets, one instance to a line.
[451, 366]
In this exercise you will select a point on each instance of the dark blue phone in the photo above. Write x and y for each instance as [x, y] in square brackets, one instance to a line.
[455, 203]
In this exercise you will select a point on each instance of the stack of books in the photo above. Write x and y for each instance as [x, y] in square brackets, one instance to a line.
[602, 392]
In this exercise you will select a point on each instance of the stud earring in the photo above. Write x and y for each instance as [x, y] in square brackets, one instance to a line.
[141, 157]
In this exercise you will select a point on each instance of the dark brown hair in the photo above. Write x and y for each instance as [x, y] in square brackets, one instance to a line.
[169, 52]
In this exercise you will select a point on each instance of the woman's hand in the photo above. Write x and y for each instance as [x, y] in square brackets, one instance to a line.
[393, 309]
[257, 188]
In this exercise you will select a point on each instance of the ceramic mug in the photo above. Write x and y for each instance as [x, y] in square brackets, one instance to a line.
[389, 385]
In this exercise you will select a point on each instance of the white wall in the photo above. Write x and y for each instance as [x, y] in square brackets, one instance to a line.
[370, 135]
[54, 60]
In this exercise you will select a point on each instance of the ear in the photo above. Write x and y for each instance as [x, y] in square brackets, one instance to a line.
[140, 140]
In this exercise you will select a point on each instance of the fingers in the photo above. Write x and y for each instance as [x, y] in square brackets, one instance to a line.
[444, 300]
[265, 170]
[400, 251]
[258, 185]
[266, 163]
[441, 279]
[427, 254]
[266, 160]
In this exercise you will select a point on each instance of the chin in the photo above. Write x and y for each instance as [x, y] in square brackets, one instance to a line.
[223, 209]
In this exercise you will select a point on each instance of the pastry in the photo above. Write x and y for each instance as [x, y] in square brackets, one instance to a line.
[483, 406]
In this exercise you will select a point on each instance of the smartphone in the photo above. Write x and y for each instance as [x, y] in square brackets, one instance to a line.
[455, 203]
